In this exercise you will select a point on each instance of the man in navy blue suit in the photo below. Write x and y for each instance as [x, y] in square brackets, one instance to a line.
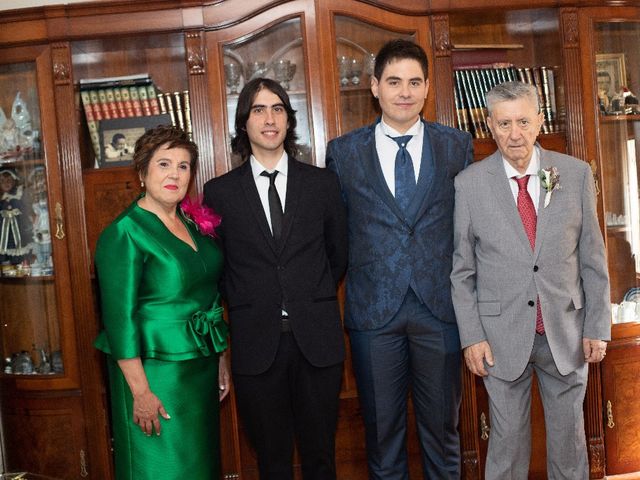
[396, 178]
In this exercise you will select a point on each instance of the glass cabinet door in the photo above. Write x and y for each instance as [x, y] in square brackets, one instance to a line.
[276, 53]
[617, 76]
[357, 43]
[30, 327]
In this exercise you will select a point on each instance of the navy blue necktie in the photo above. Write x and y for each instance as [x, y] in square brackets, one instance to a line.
[275, 206]
[405, 175]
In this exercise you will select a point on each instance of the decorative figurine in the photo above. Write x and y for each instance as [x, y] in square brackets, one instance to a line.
[15, 225]
[41, 231]
[20, 114]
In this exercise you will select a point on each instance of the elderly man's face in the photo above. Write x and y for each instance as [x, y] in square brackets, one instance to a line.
[515, 125]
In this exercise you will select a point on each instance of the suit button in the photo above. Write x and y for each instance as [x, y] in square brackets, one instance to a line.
[280, 267]
[535, 268]
[531, 303]
[411, 232]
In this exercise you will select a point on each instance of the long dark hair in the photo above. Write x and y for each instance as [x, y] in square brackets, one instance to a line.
[240, 144]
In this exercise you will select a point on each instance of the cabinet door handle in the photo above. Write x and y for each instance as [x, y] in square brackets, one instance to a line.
[59, 222]
[484, 427]
[594, 172]
[83, 464]
[610, 422]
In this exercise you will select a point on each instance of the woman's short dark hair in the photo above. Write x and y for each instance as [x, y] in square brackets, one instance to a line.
[400, 49]
[153, 139]
[240, 143]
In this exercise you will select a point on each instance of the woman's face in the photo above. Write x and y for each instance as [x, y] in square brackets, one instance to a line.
[168, 175]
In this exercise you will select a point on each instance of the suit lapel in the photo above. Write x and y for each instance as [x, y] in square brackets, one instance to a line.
[429, 169]
[294, 189]
[373, 173]
[255, 206]
[542, 225]
[499, 186]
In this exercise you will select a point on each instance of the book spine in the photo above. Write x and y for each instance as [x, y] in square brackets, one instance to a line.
[104, 106]
[95, 105]
[144, 100]
[480, 101]
[117, 96]
[169, 104]
[473, 112]
[126, 101]
[92, 125]
[187, 113]
[111, 103]
[178, 110]
[162, 104]
[546, 97]
[548, 84]
[542, 100]
[135, 101]
[462, 115]
[153, 100]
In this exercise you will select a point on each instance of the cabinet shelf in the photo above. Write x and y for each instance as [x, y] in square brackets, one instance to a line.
[619, 118]
[28, 279]
[21, 163]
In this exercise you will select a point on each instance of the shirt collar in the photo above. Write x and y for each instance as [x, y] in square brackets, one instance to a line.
[414, 130]
[257, 168]
[532, 169]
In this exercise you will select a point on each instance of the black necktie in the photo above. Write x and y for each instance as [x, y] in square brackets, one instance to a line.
[405, 175]
[275, 206]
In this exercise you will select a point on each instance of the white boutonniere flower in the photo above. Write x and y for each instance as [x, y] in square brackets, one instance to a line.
[550, 181]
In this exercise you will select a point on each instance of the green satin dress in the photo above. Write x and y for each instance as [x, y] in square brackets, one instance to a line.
[159, 302]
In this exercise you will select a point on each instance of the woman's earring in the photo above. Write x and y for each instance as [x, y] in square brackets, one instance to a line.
[142, 184]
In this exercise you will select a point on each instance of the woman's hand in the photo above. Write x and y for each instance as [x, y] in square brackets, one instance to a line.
[146, 406]
[224, 378]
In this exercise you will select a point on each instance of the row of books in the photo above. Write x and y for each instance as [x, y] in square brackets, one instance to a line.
[128, 97]
[472, 84]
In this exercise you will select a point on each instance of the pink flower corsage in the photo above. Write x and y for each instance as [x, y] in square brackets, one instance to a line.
[206, 220]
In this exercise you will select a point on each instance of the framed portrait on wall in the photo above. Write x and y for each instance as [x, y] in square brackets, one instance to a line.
[611, 72]
[118, 137]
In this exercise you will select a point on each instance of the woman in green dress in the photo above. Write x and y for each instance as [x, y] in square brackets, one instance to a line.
[163, 327]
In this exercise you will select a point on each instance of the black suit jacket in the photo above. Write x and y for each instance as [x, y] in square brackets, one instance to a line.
[302, 272]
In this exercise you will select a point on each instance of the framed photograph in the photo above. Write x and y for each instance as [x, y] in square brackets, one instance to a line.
[612, 74]
[118, 137]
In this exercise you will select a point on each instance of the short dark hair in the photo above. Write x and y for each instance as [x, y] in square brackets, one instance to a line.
[240, 143]
[117, 137]
[400, 49]
[153, 139]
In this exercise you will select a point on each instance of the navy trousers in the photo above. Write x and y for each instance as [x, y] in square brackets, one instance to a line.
[414, 353]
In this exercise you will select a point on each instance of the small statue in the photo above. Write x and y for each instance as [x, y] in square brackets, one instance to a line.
[11, 140]
[20, 114]
[15, 224]
[37, 183]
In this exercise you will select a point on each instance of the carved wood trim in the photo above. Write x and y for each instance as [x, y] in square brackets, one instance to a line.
[441, 42]
[196, 60]
[574, 121]
[441, 71]
[195, 53]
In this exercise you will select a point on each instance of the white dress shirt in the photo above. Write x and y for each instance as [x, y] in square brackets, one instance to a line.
[388, 148]
[262, 183]
[533, 186]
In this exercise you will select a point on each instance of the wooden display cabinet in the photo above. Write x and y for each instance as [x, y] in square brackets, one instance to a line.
[44, 426]
[190, 45]
[612, 65]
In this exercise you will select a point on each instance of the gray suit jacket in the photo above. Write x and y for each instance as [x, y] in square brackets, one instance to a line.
[496, 277]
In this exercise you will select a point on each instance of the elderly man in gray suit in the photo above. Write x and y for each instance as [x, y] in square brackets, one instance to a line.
[530, 286]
